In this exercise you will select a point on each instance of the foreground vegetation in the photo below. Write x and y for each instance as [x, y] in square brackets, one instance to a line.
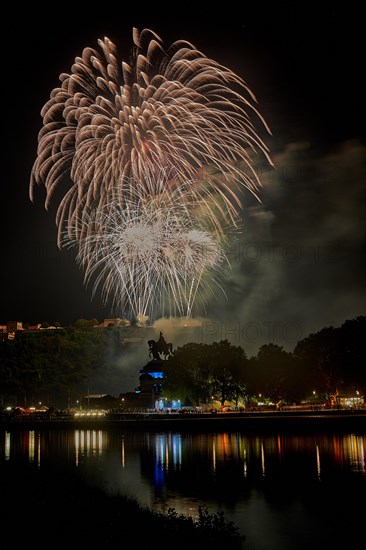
[62, 512]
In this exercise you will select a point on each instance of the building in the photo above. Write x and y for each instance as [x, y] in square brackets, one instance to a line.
[116, 322]
[351, 401]
[13, 326]
[101, 401]
[149, 392]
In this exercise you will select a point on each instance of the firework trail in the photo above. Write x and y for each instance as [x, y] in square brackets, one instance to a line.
[150, 157]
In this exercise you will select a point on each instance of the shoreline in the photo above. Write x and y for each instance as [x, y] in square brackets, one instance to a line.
[241, 421]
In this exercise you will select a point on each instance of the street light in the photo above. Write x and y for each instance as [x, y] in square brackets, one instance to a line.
[358, 399]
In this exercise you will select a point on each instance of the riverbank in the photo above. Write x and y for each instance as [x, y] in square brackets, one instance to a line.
[268, 421]
[62, 510]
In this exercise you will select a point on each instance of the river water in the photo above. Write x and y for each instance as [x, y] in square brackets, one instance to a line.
[283, 491]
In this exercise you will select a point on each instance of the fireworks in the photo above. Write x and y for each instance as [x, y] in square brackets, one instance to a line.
[150, 156]
[150, 253]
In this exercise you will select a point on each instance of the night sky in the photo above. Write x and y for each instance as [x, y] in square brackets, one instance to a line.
[299, 263]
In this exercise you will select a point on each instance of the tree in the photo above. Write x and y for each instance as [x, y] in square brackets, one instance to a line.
[198, 371]
[226, 365]
[87, 323]
[273, 373]
[321, 355]
[352, 334]
[50, 366]
[187, 375]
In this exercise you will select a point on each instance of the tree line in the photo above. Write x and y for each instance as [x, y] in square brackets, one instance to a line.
[321, 366]
[58, 366]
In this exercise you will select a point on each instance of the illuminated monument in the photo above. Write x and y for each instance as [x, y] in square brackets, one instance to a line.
[160, 347]
[148, 395]
[152, 375]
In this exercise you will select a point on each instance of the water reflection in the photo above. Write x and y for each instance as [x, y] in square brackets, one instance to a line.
[318, 462]
[7, 446]
[165, 453]
[88, 443]
[355, 452]
[180, 469]
[257, 480]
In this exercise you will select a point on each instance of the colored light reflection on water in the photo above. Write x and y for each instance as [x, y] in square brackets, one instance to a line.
[171, 450]
[272, 486]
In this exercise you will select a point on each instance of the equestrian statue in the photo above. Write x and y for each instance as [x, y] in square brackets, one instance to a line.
[157, 347]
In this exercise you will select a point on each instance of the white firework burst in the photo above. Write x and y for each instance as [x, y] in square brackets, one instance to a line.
[149, 256]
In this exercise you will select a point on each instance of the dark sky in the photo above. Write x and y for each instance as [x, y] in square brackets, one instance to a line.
[299, 264]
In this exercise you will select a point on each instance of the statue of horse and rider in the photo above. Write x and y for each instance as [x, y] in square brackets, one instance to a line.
[157, 347]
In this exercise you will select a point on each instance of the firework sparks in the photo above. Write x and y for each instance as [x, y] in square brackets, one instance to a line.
[150, 156]
[148, 254]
